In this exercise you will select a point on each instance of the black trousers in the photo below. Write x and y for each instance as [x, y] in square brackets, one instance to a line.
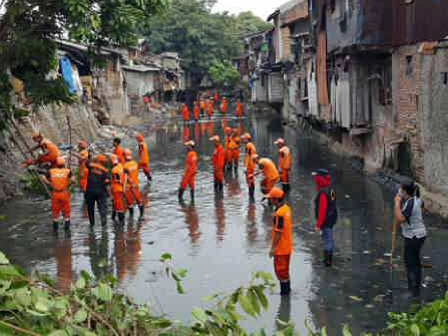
[412, 248]
[100, 198]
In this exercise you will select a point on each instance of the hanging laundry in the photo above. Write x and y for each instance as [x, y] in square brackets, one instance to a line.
[65, 68]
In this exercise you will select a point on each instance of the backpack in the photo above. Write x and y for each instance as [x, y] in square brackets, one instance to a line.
[331, 216]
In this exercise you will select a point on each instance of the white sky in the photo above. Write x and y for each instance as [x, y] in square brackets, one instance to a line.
[261, 8]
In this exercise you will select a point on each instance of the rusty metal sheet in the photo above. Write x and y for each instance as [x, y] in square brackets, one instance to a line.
[321, 69]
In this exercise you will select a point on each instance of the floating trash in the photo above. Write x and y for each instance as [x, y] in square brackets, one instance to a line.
[356, 298]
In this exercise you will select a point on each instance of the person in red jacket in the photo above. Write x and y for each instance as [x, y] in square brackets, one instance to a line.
[218, 163]
[325, 212]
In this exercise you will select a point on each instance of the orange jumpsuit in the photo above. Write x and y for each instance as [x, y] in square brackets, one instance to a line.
[284, 164]
[202, 106]
[249, 163]
[218, 163]
[132, 186]
[234, 146]
[118, 151]
[239, 110]
[185, 113]
[270, 174]
[283, 249]
[210, 108]
[144, 157]
[51, 153]
[196, 112]
[223, 106]
[228, 150]
[59, 179]
[83, 172]
[117, 186]
[191, 166]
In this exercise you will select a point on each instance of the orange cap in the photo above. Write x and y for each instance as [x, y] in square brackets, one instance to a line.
[127, 154]
[246, 136]
[215, 138]
[279, 141]
[190, 143]
[100, 158]
[139, 137]
[82, 144]
[114, 159]
[275, 193]
[60, 161]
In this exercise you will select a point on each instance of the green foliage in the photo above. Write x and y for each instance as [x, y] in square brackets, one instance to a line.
[223, 74]
[199, 36]
[28, 50]
[430, 320]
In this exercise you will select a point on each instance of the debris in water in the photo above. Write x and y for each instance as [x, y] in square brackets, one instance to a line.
[347, 196]
[366, 252]
[379, 298]
[387, 254]
[356, 298]
[370, 306]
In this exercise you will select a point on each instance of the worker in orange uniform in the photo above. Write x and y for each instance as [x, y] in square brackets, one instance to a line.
[190, 169]
[223, 106]
[83, 172]
[144, 156]
[235, 148]
[49, 149]
[196, 111]
[215, 97]
[117, 179]
[249, 163]
[132, 187]
[284, 164]
[218, 163]
[270, 174]
[239, 109]
[210, 108]
[281, 247]
[118, 150]
[185, 112]
[98, 189]
[59, 179]
[202, 105]
[227, 149]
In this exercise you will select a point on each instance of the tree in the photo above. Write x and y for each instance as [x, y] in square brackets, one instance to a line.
[223, 74]
[199, 36]
[28, 29]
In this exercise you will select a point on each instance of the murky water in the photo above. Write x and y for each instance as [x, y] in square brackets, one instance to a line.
[221, 241]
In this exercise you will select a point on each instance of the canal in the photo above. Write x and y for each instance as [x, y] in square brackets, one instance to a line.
[222, 241]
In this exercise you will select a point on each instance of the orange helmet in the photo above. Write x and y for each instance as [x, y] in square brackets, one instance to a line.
[114, 159]
[228, 130]
[35, 135]
[215, 138]
[100, 158]
[127, 154]
[139, 137]
[246, 136]
[82, 144]
[60, 161]
[276, 193]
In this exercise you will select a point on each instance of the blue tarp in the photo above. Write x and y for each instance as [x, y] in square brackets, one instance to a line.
[65, 68]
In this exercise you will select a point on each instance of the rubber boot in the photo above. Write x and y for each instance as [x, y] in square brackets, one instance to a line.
[252, 193]
[121, 218]
[285, 287]
[216, 186]
[142, 210]
[192, 194]
[324, 261]
[67, 225]
[131, 212]
[327, 258]
[55, 226]
[221, 186]
[286, 188]
[180, 194]
[330, 258]
[114, 215]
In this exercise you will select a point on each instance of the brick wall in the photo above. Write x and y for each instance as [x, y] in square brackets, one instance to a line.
[407, 95]
[286, 42]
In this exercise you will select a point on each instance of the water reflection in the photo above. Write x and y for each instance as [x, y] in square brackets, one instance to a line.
[251, 228]
[284, 312]
[64, 266]
[191, 220]
[220, 218]
[99, 253]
